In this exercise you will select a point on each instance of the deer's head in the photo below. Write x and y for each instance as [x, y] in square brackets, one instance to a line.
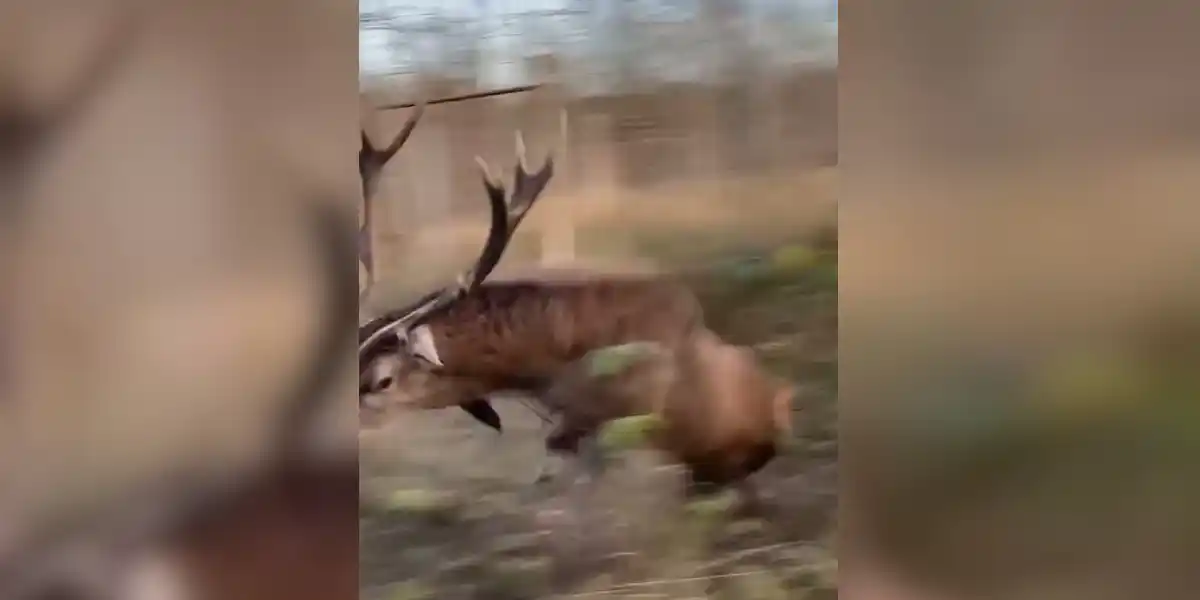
[398, 359]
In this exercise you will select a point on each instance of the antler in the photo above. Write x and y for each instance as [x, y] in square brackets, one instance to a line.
[25, 131]
[370, 166]
[506, 216]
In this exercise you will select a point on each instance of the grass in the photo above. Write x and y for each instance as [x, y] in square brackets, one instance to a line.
[449, 511]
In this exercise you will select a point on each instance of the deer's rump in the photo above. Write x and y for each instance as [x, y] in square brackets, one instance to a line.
[721, 412]
[724, 412]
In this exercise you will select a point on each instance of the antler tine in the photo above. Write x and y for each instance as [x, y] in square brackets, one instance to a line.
[366, 255]
[405, 132]
[506, 215]
[498, 234]
[527, 188]
[371, 162]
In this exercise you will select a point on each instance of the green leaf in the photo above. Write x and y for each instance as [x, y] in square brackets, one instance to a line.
[710, 507]
[613, 360]
[416, 500]
[793, 259]
[628, 432]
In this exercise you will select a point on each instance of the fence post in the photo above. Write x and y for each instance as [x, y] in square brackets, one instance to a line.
[558, 239]
[557, 243]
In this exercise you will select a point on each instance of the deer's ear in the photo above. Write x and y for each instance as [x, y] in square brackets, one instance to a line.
[421, 345]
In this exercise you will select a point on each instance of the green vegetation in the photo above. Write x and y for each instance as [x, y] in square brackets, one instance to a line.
[628, 433]
[613, 360]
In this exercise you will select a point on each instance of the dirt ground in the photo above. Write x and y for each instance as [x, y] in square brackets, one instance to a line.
[449, 510]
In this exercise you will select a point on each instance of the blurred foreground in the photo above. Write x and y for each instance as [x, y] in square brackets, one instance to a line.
[177, 189]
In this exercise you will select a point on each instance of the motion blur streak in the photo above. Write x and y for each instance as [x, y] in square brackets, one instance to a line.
[1020, 321]
[168, 292]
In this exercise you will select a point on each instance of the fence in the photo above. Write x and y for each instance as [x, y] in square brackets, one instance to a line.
[619, 153]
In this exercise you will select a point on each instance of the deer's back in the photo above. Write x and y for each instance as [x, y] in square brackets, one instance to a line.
[724, 409]
[531, 329]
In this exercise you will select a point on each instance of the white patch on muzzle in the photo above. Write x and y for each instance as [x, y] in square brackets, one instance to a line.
[421, 344]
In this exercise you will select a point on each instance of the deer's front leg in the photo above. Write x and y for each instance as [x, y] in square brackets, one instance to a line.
[547, 418]
[580, 446]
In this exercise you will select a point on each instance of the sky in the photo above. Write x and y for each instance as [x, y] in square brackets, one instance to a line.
[375, 57]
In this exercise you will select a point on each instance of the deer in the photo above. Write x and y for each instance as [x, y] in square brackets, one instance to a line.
[461, 343]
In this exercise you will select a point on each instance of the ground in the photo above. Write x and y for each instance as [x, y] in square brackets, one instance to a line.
[449, 510]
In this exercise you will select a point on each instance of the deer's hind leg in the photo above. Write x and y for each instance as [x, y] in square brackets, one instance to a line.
[758, 457]
[751, 500]
[703, 479]
[710, 477]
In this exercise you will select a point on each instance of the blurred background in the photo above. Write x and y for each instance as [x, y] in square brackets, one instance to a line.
[695, 137]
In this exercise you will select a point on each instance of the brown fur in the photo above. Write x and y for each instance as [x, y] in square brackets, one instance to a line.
[525, 335]
[520, 334]
[721, 412]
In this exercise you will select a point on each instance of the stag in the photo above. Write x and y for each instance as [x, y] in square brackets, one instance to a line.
[460, 344]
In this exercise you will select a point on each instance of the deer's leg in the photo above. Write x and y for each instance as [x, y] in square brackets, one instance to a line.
[591, 456]
[700, 482]
[705, 480]
[759, 457]
[546, 471]
[547, 468]
[561, 444]
[580, 446]
[751, 500]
